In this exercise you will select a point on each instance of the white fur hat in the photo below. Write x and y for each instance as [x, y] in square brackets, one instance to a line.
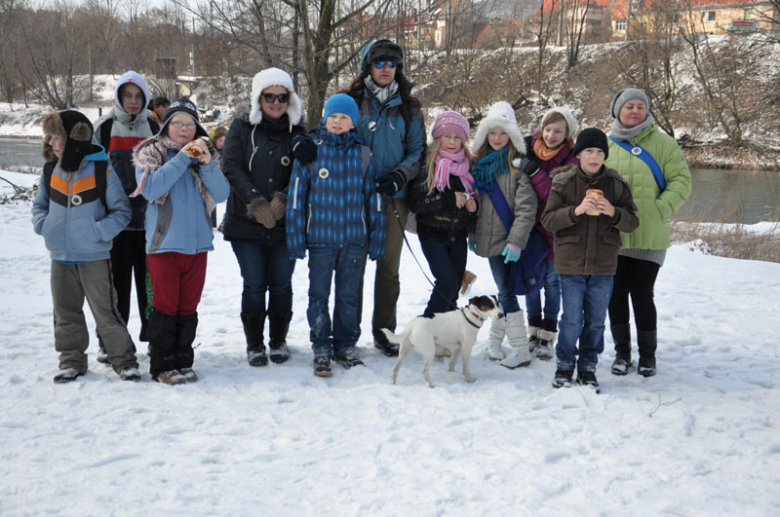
[571, 122]
[274, 77]
[500, 114]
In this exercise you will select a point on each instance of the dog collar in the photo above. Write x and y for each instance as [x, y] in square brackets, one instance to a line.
[481, 319]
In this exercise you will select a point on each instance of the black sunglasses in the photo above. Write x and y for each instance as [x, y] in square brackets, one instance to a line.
[270, 98]
[381, 64]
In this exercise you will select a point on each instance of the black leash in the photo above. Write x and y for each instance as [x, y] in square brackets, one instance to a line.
[409, 247]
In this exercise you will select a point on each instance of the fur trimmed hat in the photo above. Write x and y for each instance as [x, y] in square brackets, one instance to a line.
[571, 122]
[183, 105]
[77, 131]
[274, 77]
[381, 50]
[500, 114]
[215, 133]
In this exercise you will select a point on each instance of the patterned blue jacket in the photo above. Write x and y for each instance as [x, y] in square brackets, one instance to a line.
[333, 201]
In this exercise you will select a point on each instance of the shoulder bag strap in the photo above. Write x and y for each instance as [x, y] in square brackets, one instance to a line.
[501, 206]
[646, 157]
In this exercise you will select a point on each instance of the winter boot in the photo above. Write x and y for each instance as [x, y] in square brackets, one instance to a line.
[67, 375]
[186, 327]
[162, 342]
[253, 330]
[348, 360]
[548, 334]
[497, 333]
[322, 366]
[562, 379]
[468, 280]
[621, 335]
[172, 378]
[129, 374]
[278, 325]
[518, 340]
[534, 326]
[385, 346]
[648, 342]
[189, 374]
[588, 379]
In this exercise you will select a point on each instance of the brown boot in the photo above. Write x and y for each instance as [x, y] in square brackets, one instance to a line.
[468, 279]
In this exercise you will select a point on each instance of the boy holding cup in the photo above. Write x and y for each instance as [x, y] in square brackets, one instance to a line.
[589, 206]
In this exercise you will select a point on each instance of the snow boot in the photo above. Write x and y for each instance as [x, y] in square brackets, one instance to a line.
[67, 375]
[648, 342]
[534, 326]
[253, 330]
[588, 379]
[189, 374]
[348, 360]
[548, 334]
[468, 280]
[385, 346]
[322, 366]
[162, 342]
[497, 333]
[171, 377]
[562, 379]
[518, 340]
[186, 329]
[278, 326]
[621, 335]
[129, 374]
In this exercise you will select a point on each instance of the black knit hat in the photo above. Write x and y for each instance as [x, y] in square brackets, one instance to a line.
[77, 131]
[591, 137]
[183, 105]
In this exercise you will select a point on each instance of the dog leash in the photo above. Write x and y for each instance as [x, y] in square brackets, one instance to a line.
[409, 247]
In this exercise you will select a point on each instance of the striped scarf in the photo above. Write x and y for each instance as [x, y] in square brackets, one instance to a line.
[493, 164]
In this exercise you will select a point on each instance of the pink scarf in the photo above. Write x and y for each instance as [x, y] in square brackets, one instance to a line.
[456, 164]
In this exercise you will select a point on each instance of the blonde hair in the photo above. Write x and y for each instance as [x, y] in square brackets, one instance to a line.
[430, 160]
[486, 147]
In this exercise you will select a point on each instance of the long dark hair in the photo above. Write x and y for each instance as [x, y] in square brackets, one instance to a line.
[357, 89]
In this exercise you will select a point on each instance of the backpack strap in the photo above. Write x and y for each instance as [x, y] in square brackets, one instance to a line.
[48, 170]
[646, 157]
[105, 133]
[365, 157]
[101, 181]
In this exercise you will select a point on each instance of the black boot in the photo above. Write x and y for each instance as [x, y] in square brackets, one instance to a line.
[621, 335]
[253, 330]
[162, 343]
[278, 325]
[186, 327]
[648, 342]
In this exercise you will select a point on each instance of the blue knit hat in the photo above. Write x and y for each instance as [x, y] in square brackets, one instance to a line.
[342, 103]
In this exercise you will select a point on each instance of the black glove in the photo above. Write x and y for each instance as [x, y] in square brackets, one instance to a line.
[304, 149]
[530, 167]
[390, 184]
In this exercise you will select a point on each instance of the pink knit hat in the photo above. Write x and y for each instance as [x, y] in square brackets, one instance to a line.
[451, 122]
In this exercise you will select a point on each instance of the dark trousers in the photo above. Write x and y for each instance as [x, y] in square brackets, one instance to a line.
[128, 261]
[447, 261]
[265, 268]
[635, 278]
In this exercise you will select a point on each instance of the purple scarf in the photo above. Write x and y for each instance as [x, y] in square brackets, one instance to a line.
[456, 164]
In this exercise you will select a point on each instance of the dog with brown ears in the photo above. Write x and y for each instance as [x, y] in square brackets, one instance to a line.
[455, 330]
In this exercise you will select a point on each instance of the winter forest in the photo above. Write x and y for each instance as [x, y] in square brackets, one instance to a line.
[699, 438]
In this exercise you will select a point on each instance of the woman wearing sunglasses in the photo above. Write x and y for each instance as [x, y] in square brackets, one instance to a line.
[265, 136]
[392, 125]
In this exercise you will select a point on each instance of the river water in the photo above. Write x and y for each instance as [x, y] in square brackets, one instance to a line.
[718, 195]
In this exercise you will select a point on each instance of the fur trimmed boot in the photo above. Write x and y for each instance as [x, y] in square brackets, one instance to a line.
[621, 335]
[534, 326]
[497, 333]
[518, 340]
[548, 334]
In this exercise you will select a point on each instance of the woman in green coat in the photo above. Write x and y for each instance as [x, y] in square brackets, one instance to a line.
[636, 147]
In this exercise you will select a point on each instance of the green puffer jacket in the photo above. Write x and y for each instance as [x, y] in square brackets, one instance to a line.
[655, 207]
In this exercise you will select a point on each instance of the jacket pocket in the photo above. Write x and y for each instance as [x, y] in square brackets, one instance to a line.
[84, 234]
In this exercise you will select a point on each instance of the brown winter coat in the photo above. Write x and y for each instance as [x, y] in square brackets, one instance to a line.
[588, 245]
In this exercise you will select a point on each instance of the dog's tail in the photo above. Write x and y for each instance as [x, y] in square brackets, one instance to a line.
[396, 338]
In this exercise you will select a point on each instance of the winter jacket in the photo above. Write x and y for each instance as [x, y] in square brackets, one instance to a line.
[655, 207]
[257, 161]
[436, 213]
[180, 224]
[127, 131]
[83, 232]
[541, 181]
[336, 203]
[491, 235]
[588, 245]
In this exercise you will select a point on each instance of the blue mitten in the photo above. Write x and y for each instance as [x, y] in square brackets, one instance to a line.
[511, 252]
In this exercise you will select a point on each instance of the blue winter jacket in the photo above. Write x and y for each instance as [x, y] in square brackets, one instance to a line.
[180, 224]
[80, 232]
[336, 203]
[381, 127]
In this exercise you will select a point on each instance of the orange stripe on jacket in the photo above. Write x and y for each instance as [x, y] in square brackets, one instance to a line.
[60, 184]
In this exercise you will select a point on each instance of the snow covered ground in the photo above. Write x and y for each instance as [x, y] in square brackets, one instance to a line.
[700, 438]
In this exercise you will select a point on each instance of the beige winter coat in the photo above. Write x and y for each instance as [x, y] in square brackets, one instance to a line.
[491, 235]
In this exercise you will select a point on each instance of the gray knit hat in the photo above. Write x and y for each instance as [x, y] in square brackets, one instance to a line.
[625, 95]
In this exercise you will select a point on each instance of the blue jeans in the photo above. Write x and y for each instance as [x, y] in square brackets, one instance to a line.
[447, 260]
[585, 301]
[265, 267]
[552, 296]
[337, 339]
[501, 275]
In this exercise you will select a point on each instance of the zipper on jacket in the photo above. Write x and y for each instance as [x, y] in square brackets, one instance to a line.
[295, 195]
[308, 220]
[254, 149]
[363, 220]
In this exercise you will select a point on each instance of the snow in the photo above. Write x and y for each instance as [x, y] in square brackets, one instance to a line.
[700, 438]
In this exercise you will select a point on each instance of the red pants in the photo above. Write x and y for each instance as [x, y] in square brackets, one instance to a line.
[177, 281]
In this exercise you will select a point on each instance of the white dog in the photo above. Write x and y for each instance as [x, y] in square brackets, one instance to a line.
[456, 330]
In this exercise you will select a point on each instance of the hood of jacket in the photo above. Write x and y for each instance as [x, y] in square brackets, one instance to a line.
[135, 78]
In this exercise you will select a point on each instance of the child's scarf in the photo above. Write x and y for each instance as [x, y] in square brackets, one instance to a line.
[150, 154]
[493, 164]
[541, 150]
[455, 164]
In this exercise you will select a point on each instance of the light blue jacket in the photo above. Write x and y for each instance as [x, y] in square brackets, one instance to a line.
[180, 224]
[82, 232]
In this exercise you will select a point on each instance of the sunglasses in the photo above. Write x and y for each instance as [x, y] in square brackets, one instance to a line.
[270, 98]
[381, 64]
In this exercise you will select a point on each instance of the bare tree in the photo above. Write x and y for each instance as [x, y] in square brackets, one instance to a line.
[544, 33]
[575, 24]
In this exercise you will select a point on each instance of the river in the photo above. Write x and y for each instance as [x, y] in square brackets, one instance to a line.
[718, 195]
